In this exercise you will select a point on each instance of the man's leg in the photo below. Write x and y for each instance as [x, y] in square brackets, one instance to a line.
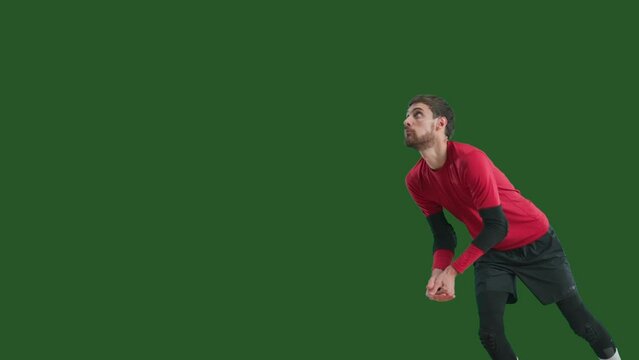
[491, 305]
[585, 325]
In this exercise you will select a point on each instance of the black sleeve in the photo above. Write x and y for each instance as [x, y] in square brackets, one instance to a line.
[495, 228]
[443, 232]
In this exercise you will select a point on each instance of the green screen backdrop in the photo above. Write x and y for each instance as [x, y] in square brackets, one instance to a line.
[226, 180]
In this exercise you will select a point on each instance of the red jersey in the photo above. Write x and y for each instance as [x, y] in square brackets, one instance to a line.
[469, 181]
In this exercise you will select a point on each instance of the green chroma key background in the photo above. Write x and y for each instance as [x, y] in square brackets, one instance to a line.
[199, 181]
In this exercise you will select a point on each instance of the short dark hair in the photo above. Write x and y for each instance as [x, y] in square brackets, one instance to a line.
[439, 107]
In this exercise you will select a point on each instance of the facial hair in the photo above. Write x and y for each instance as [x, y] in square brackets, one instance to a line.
[419, 143]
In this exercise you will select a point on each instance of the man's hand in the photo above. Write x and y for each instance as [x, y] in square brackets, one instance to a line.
[441, 286]
[431, 281]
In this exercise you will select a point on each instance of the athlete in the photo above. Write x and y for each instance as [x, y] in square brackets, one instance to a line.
[512, 238]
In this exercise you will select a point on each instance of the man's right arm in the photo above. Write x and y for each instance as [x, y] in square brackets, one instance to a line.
[444, 245]
[445, 240]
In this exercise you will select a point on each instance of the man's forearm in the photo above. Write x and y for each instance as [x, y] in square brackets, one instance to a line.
[494, 231]
[495, 228]
[445, 240]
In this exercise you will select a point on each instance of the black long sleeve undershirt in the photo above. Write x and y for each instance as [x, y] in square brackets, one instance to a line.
[495, 228]
[443, 233]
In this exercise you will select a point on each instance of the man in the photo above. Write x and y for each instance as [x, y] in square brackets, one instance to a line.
[512, 238]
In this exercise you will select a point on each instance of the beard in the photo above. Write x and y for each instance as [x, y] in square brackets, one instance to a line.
[419, 142]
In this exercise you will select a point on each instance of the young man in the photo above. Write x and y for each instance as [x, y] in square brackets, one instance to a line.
[512, 237]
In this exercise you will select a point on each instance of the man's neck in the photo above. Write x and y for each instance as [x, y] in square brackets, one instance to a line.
[435, 156]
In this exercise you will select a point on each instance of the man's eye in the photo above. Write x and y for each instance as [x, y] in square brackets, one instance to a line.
[417, 115]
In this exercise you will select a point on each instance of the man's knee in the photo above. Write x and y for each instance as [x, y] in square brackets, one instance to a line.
[581, 321]
[587, 331]
[495, 342]
[488, 339]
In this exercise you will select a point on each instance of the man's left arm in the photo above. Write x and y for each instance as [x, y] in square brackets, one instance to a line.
[478, 176]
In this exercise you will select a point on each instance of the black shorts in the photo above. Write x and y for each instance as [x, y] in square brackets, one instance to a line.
[541, 265]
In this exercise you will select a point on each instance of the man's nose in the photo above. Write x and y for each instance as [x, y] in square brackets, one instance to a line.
[407, 123]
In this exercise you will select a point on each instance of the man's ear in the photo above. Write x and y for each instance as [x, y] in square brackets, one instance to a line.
[443, 121]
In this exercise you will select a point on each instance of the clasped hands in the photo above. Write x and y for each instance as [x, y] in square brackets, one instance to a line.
[441, 285]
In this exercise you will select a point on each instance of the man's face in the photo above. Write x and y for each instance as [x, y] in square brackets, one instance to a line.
[419, 127]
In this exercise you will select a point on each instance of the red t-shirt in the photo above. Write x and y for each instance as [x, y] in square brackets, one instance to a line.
[469, 181]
